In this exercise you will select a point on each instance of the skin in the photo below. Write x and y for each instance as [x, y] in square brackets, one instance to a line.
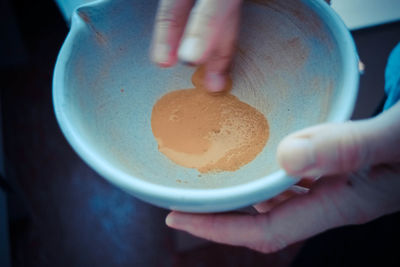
[351, 170]
[202, 32]
[207, 36]
[359, 166]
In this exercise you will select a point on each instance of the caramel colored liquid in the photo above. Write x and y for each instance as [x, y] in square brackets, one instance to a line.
[208, 132]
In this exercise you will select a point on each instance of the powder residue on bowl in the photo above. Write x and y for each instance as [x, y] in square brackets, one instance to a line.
[208, 132]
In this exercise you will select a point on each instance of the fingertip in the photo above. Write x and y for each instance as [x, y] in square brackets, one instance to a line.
[191, 50]
[174, 219]
[215, 82]
[162, 55]
[168, 64]
[296, 155]
[169, 220]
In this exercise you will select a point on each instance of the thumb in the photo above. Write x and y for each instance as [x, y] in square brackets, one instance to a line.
[342, 147]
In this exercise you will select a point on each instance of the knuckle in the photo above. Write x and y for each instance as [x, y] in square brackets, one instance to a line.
[168, 17]
[204, 10]
[223, 54]
[350, 154]
[220, 61]
[203, 17]
[166, 21]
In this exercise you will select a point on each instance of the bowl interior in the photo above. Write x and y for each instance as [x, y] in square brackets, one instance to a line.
[287, 65]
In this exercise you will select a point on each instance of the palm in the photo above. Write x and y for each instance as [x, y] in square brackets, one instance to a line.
[331, 202]
[350, 197]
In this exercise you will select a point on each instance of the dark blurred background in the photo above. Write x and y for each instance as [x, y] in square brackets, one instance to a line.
[55, 211]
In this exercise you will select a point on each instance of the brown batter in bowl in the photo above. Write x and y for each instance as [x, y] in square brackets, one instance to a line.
[208, 132]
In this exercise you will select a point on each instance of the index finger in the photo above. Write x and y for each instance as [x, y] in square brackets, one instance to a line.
[294, 220]
[169, 26]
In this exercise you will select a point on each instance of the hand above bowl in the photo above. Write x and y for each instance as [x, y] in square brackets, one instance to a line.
[207, 36]
[203, 34]
[351, 168]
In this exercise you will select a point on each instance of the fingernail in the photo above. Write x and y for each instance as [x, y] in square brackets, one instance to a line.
[174, 219]
[298, 156]
[161, 53]
[169, 220]
[191, 49]
[215, 82]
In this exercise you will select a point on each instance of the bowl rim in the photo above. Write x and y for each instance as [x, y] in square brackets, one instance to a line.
[278, 180]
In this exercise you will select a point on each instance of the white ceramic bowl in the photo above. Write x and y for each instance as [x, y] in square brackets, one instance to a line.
[296, 63]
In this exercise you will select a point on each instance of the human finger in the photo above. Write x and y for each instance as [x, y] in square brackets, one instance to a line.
[269, 204]
[218, 63]
[207, 21]
[342, 147]
[292, 221]
[169, 26]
